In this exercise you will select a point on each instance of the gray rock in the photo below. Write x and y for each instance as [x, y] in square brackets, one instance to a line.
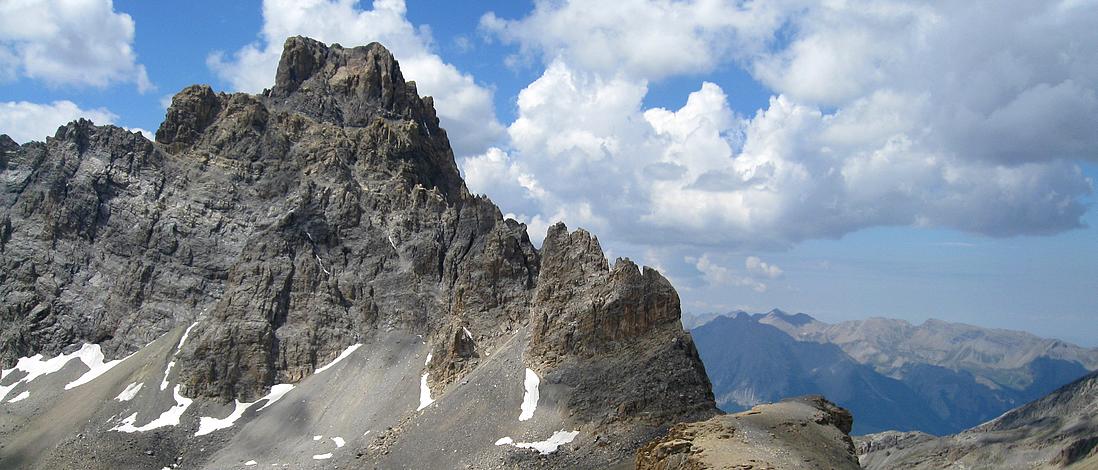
[326, 212]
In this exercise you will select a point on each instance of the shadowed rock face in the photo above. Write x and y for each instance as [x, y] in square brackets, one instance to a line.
[325, 212]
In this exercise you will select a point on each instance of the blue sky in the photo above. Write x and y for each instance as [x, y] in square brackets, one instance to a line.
[911, 160]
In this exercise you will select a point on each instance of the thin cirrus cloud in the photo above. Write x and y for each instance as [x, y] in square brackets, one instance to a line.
[464, 107]
[924, 114]
[71, 42]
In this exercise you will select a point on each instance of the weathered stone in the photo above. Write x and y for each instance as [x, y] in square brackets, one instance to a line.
[806, 433]
[583, 306]
[327, 211]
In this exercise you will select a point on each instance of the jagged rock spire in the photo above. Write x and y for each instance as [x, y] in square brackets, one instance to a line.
[582, 305]
[349, 87]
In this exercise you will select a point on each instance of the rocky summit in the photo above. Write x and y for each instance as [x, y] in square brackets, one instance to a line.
[301, 278]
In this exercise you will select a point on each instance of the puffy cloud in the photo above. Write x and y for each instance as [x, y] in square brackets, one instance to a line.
[720, 276]
[926, 114]
[464, 107]
[69, 42]
[760, 268]
[1009, 84]
[24, 121]
[641, 38]
[509, 181]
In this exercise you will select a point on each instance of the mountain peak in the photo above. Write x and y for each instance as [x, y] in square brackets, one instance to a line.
[266, 237]
[585, 305]
[389, 129]
[349, 87]
[795, 319]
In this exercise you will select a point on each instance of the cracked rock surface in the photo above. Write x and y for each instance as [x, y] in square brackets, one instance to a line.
[325, 212]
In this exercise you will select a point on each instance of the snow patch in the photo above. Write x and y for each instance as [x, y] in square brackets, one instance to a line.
[343, 355]
[20, 397]
[321, 264]
[250, 463]
[391, 242]
[178, 347]
[547, 446]
[167, 418]
[425, 399]
[428, 361]
[276, 393]
[207, 425]
[339, 442]
[322, 456]
[183, 339]
[530, 397]
[36, 366]
[167, 370]
[93, 358]
[130, 392]
[467, 333]
[318, 437]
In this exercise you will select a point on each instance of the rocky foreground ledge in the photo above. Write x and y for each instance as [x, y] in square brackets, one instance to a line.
[801, 433]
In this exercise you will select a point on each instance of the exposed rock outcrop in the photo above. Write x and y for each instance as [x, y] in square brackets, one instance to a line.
[803, 433]
[583, 306]
[280, 229]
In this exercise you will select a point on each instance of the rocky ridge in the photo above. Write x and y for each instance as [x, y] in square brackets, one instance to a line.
[281, 230]
[1059, 430]
[938, 377]
[805, 433]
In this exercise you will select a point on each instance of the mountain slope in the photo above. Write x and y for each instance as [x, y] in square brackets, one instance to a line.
[308, 263]
[995, 357]
[751, 363]
[1059, 430]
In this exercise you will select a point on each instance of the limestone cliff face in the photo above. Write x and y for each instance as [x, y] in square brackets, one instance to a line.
[583, 306]
[289, 225]
[613, 335]
[361, 222]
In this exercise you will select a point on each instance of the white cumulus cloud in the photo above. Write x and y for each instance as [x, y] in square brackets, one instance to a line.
[464, 107]
[640, 38]
[69, 42]
[923, 114]
[24, 121]
[761, 268]
[717, 275]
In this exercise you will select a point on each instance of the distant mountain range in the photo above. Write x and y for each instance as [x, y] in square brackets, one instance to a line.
[1057, 431]
[937, 377]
